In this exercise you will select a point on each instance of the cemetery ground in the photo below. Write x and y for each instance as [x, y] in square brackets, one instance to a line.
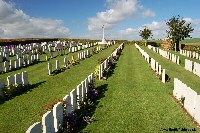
[17, 114]
[191, 40]
[176, 71]
[136, 100]
[182, 58]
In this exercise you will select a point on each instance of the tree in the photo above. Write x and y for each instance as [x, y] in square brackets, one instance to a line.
[145, 34]
[178, 30]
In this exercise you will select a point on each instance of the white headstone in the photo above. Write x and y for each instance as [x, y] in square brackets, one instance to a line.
[189, 101]
[153, 62]
[12, 64]
[86, 86]
[25, 78]
[160, 70]
[38, 57]
[178, 60]
[50, 68]
[157, 67]
[197, 109]
[18, 79]
[16, 63]
[73, 99]
[83, 90]
[66, 62]
[67, 98]
[72, 57]
[48, 122]
[58, 116]
[57, 65]
[79, 94]
[11, 80]
[2, 86]
[20, 62]
[163, 76]
[35, 128]
[100, 72]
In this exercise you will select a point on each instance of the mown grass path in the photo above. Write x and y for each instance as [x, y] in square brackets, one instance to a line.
[136, 101]
[18, 114]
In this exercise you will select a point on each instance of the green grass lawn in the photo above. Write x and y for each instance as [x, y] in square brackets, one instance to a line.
[192, 40]
[136, 100]
[43, 61]
[176, 71]
[182, 58]
[18, 114]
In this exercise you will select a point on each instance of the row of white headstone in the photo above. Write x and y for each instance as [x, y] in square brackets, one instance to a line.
[103, 66]
[192, 67]
[14, 80]
[154, 65]
[31, 49]
[81, 47]
[188, 97]
[18, 63]
[190, 54]
[51, 46]
[71, 50]
[174, 58]
[66, 65]
[52, 121]
[83, 54]
[50, 69]
[97, 49]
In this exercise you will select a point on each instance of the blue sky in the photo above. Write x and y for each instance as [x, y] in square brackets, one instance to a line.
[84, 18]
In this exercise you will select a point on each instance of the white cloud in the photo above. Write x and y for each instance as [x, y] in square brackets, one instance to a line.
[194, 22]
[129, 34]
[149, 13]
[196, 25]
[118, 11]
[14, 23]
[158, 30]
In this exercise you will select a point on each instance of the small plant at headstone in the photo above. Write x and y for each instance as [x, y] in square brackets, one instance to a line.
[10, 91]
[40, 50]
[96, 72]
[4, 59]
[101, 60]
[182, 100]
[14, 90]
[92, 93]
[111, 63]
[71, 123]
[50, 106]
[105, 73]
[88, 119]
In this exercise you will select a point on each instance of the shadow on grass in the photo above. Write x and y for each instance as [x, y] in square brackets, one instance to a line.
[113, 66]
[111, 72]
[89, 111]
[79, 120]
[17, 91]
